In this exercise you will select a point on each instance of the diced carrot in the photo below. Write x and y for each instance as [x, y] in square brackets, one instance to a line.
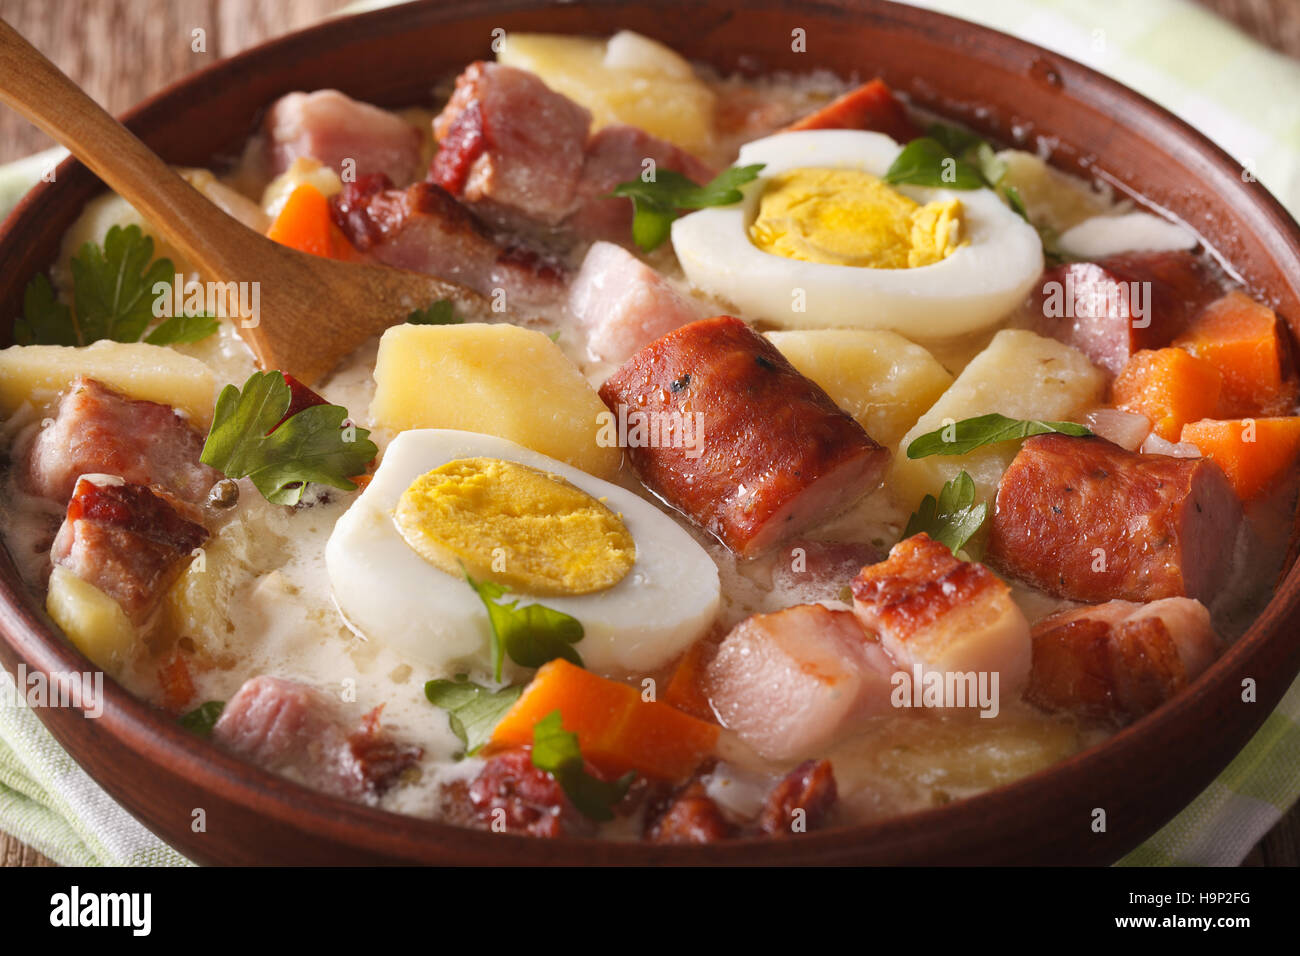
[1253, 452]
[176, 684]
[1169, 386]
[1241, 338]
[871, 106]
[685, 689]
[617, 730]
[304, 223]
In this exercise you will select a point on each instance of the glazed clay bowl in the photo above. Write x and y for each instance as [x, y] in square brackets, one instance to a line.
[1003, 87]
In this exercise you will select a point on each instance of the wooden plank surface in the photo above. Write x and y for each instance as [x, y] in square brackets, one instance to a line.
[120, 51]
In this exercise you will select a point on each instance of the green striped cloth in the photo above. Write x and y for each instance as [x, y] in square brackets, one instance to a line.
[1174, 52]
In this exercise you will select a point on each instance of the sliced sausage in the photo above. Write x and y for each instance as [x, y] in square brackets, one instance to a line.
[773, 453]
[130, 541]
[801, 802]
[1111, 309]
[1119, 660]
[871, 106]
[100, 431]
[940, 614]
[1084, 519]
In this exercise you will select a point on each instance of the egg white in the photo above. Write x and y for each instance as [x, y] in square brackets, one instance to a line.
[969, 290]
[390, 594]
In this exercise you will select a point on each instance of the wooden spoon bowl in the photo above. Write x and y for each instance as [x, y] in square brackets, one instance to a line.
[1003, 87]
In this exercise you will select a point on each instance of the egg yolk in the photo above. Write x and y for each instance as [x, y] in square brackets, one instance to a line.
[845, 217]
[515, 525]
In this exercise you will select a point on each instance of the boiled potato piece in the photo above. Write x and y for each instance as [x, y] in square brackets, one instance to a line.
[880, 378]
[253, 542]
[1051, 198]
[95, 623]
[1020, 374]
[496, 380]
[628, 79]
[155, 373]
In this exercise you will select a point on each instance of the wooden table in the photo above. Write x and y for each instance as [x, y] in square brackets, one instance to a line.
[99, 43]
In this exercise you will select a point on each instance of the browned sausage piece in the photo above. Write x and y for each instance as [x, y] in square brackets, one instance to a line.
[1119, 660]
[1084, 519]
[775, 455]
[1121, 305]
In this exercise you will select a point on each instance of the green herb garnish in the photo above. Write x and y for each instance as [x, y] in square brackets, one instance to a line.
[183, 328]
[968, 434]
[202, 718]
[472, 710]
[658, 202]
[555, 750]
[925, 162]
[530, 635]
[313, 445]
[953, 518]
[440, 313]
[112, 291]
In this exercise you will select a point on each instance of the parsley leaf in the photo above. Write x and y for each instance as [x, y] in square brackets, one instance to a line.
[531, 635]
[953, 518]
[203, 718]
[113, 285]
[440, 313]
[45, 320]
[113, 298]
[925, 162]
[472, 710]
[310, 446]
[968, 434]
[183, 328]
[658, 202]
[556, 751]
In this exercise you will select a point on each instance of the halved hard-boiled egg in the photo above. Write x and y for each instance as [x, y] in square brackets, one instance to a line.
[445, 504]
[821, 240]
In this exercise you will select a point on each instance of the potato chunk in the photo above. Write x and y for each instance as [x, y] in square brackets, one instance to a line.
[1021, 375]
[496, 380]
[628, 79]
[1052, 198]
[880, 378]
[95, 623]
[38, 373]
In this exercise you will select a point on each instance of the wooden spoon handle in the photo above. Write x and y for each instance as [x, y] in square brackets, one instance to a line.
[36, 88]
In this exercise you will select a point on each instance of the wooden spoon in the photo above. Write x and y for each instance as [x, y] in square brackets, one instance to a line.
[313, 311]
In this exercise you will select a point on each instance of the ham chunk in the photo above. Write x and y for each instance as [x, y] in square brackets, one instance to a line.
[618, 154]
[1084, 519]
[624, 304]
[1114, 308]
[302, 733]
[510, 146]
[753, 452]
[423, 229]
[100, 431]
[791, 682]
[935, 613]
[1120, 660]
[332, 129]
[130, 541]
